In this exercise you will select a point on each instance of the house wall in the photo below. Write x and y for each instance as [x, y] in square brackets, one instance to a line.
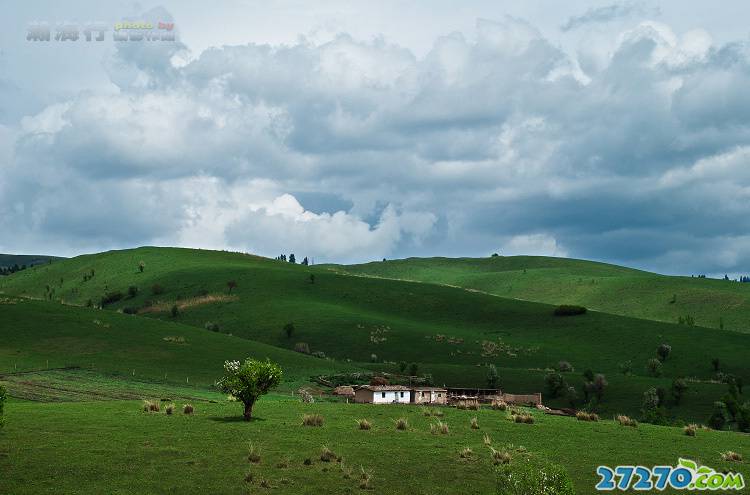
[363, 396]
[391, 396]
[440, 397]
[430, 397]
[534, 399]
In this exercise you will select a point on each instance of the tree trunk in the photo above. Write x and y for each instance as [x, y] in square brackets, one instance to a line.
[248, 410]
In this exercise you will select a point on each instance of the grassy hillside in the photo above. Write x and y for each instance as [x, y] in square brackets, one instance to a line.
[450, 333]
[87, 447]
[599, 286]
[37, 335]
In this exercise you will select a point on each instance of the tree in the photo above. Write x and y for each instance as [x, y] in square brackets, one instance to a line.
[715, 363]
[289, 330]
[679, 387]
[663, 351]
[402, 366]
[175, 311]
[141, 266]
[312, 278]
[413, 369]
[231, 285]
[572, 396]
[249, 380]
[492, 376]
[600, 383]
[555, 384]
[720, 417]
[588, 375]
[292, 259]
[654, 366]
[305, 261]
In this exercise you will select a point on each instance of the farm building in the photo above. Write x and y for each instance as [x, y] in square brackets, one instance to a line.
[382, 394]
[344, 391]
[429, 395]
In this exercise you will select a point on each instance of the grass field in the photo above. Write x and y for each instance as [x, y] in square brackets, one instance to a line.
[599, 286]
[80, 447]
[449, 332]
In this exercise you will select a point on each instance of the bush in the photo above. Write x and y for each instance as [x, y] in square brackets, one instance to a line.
[318, 354]
[187, 409]
[663, 351]
[466, 453]
[690, 430]
[731, 456]
[500, 456]
[132, 291]
[499, 405]
[555, 384]
[569, 310]
[212, 326]
[151, 406]
[474, 423]
[402, 424]
[586, 416]
[302, 347]
[289, 330]
[327, 455]
[157, 289]
[533, 478]
[487, 440]
[654, 367]
[564, 367]
[169, 409]
[111, 298]
[439, 427]
[175, 311]
[524, 418]
[364, 424]
[312, 420]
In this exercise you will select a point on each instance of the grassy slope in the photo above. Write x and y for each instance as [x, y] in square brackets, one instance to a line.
[41, 335]
[599, 286]
[81, 448]
[338, 314]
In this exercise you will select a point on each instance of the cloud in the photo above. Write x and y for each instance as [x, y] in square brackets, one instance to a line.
[607, 13]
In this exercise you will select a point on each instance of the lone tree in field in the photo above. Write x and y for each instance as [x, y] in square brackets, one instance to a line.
[249, 380]
[679, 387]
[492, 376]
[289, 330]
[663, 351]
[231, 285]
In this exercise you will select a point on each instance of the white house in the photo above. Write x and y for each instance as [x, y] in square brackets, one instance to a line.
[383, 394]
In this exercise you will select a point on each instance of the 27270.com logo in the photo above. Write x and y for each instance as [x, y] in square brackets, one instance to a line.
[687, 475]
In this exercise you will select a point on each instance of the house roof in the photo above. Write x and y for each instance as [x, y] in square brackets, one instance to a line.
[384, 388]
[430, 389]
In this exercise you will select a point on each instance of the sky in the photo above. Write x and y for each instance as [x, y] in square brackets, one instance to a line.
[351, 131]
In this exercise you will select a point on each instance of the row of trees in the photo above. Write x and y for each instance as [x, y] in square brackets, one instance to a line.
[9, 270]
[292, 259]
[593, 387]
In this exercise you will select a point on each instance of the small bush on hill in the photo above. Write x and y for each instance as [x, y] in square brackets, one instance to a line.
[564, 367]
[500, 456]
[474, 423]
[654, 367]
[365, 479]
[253, 454]
[663, 352]
[466, 453]
[212, 326]
[187, 409]
[111, 298]
[731, 456]
[151, 406]
[402, 424]
[327, 455]
[587, 416]
[312, 420]
[364, 424]
[169, 409]
[626, 421]
[533, 478]
[569, 310]
[555, 384]
[525, 418]
[175, 311]
[690, 430]
[499, 405]
[289, 330]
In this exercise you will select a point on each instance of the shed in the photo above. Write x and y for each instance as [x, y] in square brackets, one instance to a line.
[382, 394]
[429, 395]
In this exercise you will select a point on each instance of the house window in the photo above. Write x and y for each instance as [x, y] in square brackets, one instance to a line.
[382, 394]
[402, 394]
[440, 395]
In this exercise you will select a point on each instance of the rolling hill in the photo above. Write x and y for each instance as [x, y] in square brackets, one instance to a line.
[608, 288]
[371, 322]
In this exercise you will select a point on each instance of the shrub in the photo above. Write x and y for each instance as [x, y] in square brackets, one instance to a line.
[466, 453]
[555, 384]
[626, 421]
[564, 367]
[111, 298]
[523, 418]
[533, 478]
[327, 455]
[679, 387]
[569, 310]
[157, 289]
[364, 424]
[318, 354]
[151, 406]
[289, 330]
[731, 456]
[654, 367]
[312, 420]
[690, 430]
[302, 347]
[402, 424]
[499, 405]
[365, 479]
[487, 440]
[474, 424]
[253, 454]
[500, 456]
[439, 427]
[663, 351]
[187, 409]
[175, 311]
[305, 396]
[169, 409]
[587, 416]
[212, 326]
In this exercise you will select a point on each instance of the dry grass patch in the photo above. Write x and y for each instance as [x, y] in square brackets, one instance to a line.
[586, 416]
[487, 440]
[466, 453]
[169, 409]
[402, 424]
[690, 430]
[151, 406]
[439, 427]
[183, 304]
[730, 456]
[500, 456]
[365, 479]
[253, 454]
[312, 420]
[474, 423]
[187, 409]
[327, 455]
[626, 421]
[524, 418]
[499, 405]
[364, 424]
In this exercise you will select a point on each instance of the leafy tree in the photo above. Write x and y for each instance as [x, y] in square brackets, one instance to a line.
[600, 384]
[571, 395]
[492, 376]
[292, 259]
[413, 369]
[663, 351]
[679, 387]
[231, 285]
[289, 330]
[175, 311]
[305, 261]
[249, 380]
[555, 384]
[654, 367]
[719, 417]
[402, 366]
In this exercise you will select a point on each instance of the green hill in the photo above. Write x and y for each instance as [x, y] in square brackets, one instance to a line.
[450, 333]
[599, 286]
